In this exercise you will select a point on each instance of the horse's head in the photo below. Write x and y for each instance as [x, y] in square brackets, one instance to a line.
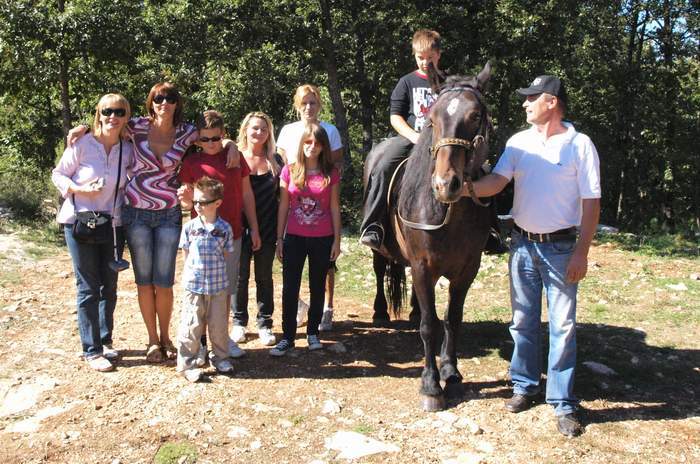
[460, 125]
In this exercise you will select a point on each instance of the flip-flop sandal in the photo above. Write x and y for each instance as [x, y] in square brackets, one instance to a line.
[170, 351]
[153, 354]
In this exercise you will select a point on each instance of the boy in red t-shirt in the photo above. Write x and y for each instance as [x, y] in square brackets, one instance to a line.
[238, 194]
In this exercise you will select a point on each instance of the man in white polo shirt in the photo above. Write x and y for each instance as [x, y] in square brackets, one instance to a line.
[557, 188]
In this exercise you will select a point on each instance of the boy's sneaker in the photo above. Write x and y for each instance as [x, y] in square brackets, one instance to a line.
[100, 364]
[234, 350]
[267, 338]
[282, 348]
[109, 352]
[238, 334]
[302, 311]
[326, 320]
[201, 360]
[314, 343]
[192, 375]
[224, 366]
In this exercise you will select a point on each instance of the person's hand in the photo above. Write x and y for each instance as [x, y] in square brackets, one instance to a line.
[93, 187]
[279, 251]
[185, 193]
[74, 134]
[577, 267]
[255, 240]
[233, 156]
[335, 249]
[414, 138]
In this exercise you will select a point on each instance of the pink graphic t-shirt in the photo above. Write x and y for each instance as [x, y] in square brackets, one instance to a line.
[310, 208]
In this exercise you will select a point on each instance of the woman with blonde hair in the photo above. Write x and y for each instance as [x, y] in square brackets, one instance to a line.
[308, 105]
[91, 176]
[256, 141]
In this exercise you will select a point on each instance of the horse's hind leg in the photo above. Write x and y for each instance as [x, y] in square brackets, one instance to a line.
[433, 398]
[448, 356]
[381, 315]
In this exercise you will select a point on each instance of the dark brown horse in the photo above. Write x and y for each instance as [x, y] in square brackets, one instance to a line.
[434, 230]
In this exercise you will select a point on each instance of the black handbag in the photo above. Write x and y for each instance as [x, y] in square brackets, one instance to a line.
[93, 227]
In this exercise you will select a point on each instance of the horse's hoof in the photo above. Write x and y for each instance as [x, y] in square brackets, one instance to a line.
[454, 390]
[433, 403]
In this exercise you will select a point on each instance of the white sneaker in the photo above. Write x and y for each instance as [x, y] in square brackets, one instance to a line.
[192, 375]
[314, 343]
[326, 320]
[224, 366]
[234, 350]
[238, 334]
[302, 311]
[267, 338]
[100, 364]
[201, 356]
[109, 352]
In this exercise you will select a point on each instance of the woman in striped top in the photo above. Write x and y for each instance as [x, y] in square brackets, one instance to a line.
[256, 141]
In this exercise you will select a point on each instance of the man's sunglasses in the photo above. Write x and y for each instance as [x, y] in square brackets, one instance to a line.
[168, 98]
[203, 202]
[210, 139]
[118, 112]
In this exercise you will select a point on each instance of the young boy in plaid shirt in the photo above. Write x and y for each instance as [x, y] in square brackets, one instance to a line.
[206, 240]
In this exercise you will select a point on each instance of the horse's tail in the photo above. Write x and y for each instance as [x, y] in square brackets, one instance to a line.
[396, 286]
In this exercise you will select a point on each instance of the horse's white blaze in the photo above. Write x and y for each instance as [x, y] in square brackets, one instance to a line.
[452, 107]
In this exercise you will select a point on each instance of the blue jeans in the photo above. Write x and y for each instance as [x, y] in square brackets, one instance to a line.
[534, 266]
[153, 236]
[96, 290]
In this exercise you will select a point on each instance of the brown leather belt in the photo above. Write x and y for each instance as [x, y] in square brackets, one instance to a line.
[557, 235]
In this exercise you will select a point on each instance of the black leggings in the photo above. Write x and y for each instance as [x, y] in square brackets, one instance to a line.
[295, 250]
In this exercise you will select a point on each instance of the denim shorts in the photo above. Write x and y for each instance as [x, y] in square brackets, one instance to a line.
[153, 237]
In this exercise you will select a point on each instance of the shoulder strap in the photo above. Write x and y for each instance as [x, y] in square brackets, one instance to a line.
[119, 174]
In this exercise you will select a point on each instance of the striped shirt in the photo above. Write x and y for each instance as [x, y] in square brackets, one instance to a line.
[205, 268]
[154, 183]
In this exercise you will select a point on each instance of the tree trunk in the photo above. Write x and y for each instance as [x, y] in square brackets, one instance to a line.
[365, 91]
[63, 65]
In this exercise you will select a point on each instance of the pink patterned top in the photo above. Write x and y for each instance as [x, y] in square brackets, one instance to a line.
[154, 182]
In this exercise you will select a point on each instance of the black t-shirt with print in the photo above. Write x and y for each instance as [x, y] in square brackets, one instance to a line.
[412, 99]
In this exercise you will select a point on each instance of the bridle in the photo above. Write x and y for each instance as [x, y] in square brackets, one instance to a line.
[468, 145]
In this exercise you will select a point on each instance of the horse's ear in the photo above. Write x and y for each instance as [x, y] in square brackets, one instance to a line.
[435, 78]
[484, 76]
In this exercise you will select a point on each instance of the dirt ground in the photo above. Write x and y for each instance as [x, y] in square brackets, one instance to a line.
[55, 409]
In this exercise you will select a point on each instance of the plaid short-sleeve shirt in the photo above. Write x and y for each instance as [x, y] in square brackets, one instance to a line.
[205, 267]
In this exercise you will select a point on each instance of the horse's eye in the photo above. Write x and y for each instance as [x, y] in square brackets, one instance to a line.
[475, 116]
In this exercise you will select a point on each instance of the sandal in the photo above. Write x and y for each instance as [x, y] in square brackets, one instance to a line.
[169, 350]
[153, 354]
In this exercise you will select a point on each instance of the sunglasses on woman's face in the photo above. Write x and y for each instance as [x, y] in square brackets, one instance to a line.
[210, 139]
[118, 112]
[203, 202]
[168, 98]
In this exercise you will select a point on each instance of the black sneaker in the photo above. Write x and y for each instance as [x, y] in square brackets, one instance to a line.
[373, 236]
[282, 348]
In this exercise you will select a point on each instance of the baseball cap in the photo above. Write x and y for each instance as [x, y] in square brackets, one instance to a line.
[545, 84]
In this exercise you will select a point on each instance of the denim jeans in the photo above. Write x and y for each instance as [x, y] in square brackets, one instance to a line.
[96, 290]
[295, 250]
[153, 237]
[263, 260]
[534, 266]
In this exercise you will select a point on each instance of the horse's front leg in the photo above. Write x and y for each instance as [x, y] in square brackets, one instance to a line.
[448, 355]
[433, 398]
[381, 315]
[414, 316]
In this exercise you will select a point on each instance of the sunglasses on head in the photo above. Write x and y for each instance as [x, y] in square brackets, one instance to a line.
[118, 112]
[210, 139]
[168, 98]
[203, 202]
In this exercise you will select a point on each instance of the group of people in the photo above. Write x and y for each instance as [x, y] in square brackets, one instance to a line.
[282, 199]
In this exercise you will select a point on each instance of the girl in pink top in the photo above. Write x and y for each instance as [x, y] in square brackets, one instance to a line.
[309, 211]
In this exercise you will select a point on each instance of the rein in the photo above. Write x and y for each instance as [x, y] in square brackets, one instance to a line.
[468, 145]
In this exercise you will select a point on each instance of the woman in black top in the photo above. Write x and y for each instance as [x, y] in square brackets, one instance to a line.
[256, 141]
